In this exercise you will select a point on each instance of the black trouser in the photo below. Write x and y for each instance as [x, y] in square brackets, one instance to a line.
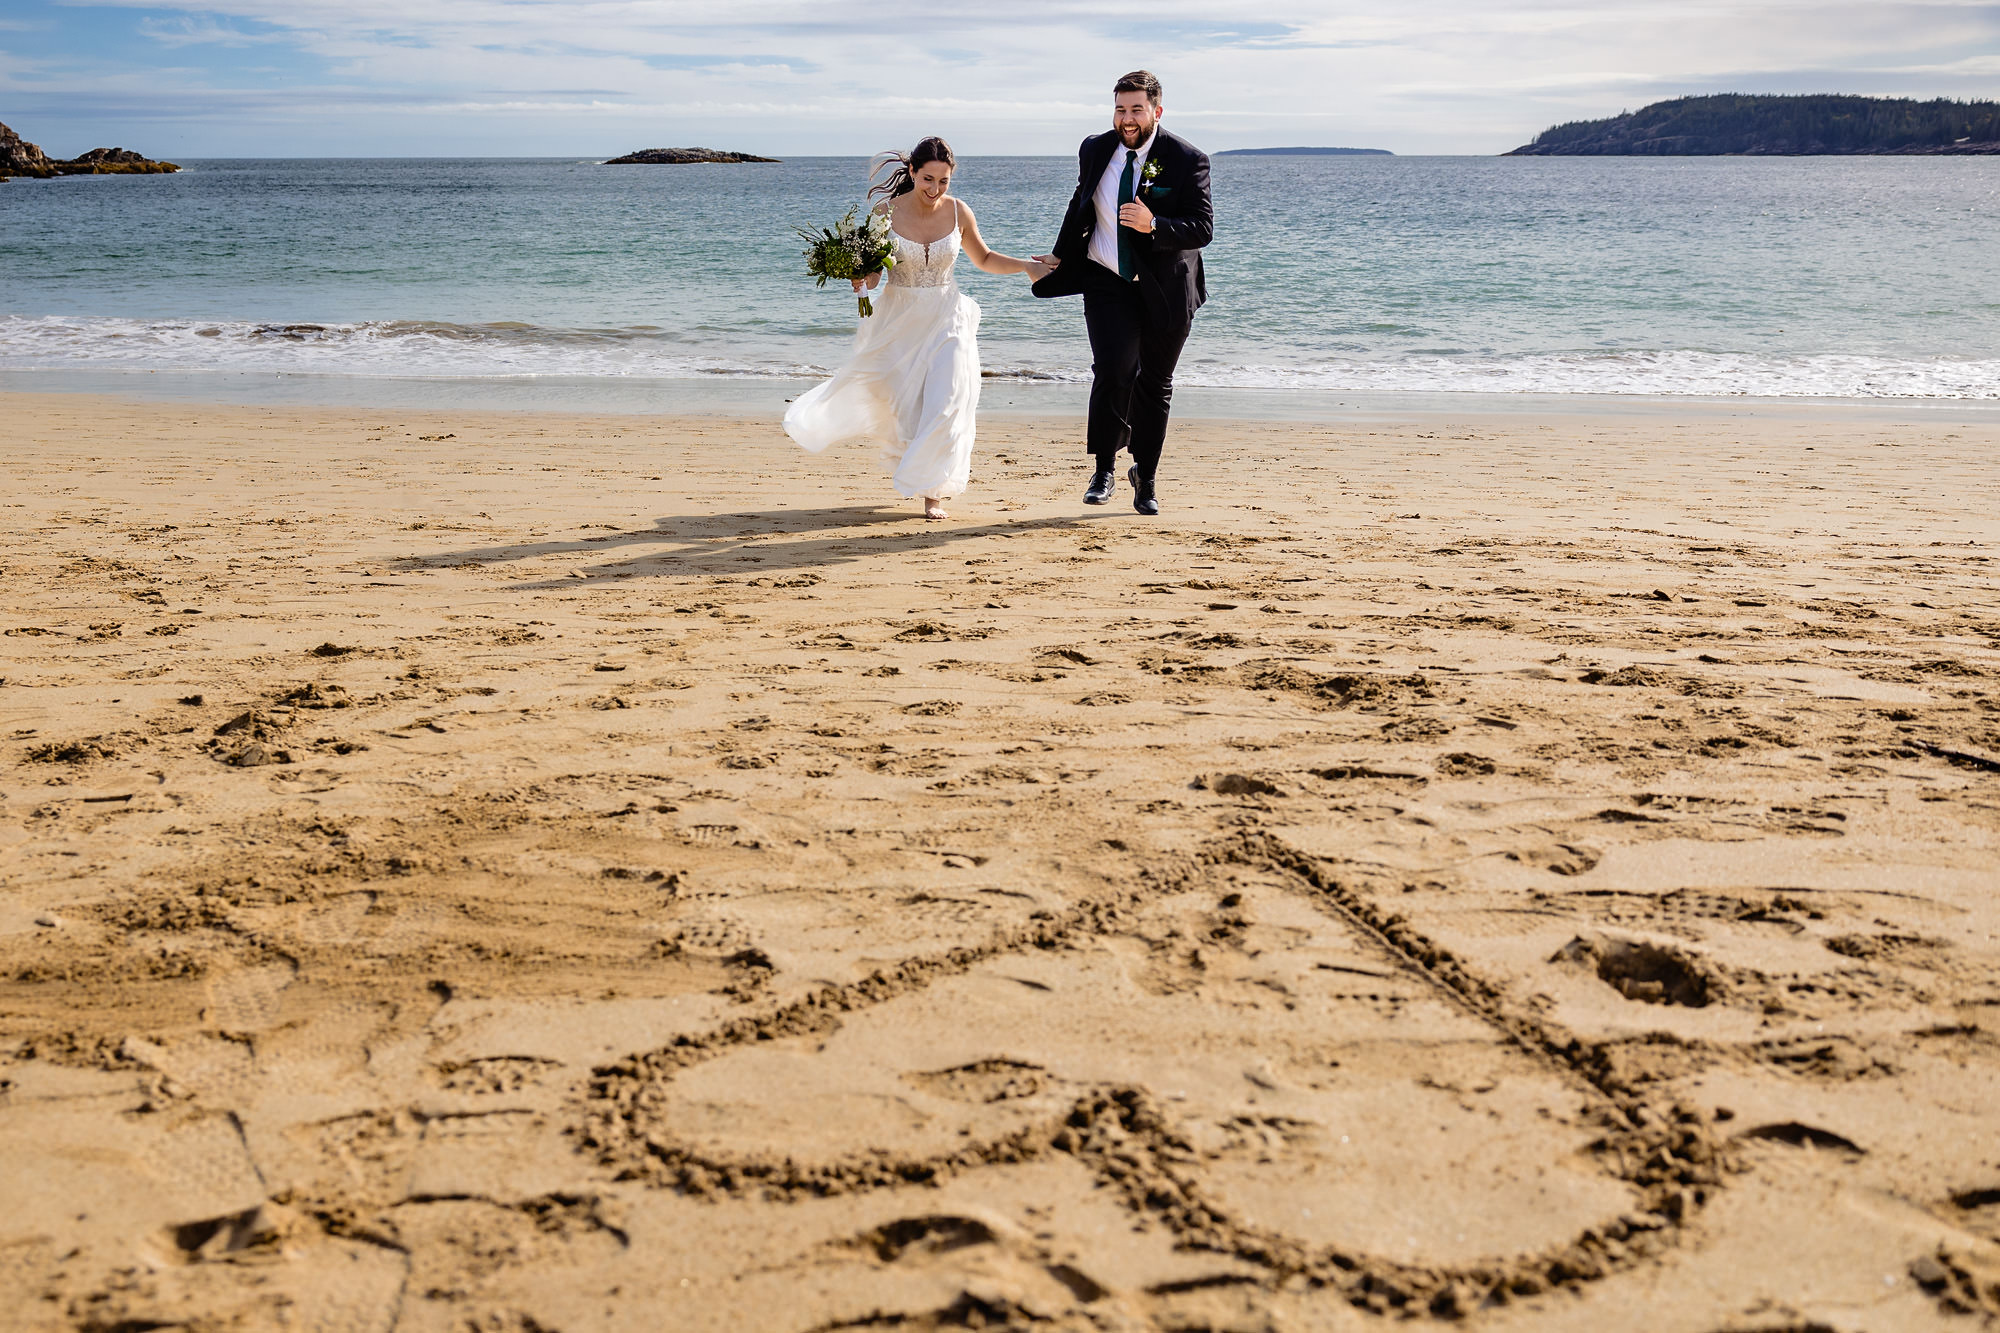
[1132, 367]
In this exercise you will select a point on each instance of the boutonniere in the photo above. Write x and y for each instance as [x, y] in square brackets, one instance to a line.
[1152, 170]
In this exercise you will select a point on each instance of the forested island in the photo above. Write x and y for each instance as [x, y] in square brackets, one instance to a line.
[1305, 152]
[1734, 123]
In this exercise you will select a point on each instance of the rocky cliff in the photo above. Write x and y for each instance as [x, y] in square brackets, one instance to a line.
[681, 156]
[18, 157]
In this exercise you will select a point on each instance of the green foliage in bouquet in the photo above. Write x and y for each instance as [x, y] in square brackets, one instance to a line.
[849, 250]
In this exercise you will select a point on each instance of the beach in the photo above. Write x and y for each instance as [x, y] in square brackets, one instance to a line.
[533, 871]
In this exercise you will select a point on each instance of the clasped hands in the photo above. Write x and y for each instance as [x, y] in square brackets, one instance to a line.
[1134, 215]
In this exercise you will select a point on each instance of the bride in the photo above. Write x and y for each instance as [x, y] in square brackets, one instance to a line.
[912, 379]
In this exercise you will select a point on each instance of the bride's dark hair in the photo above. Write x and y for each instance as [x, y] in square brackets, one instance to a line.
[901, 180]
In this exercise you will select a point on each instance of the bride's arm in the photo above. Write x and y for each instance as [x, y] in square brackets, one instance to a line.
[992, 261]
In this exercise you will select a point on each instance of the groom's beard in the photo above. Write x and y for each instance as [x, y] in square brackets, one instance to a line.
[1134, 135]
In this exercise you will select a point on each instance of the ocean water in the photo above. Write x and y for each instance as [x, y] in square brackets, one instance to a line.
[1849, 278]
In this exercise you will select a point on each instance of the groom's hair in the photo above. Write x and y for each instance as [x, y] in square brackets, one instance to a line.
[1139, 81]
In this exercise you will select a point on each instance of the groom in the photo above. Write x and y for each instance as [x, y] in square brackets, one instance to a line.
[1131, 243]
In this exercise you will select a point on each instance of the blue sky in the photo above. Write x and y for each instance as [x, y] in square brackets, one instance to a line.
[594, 77]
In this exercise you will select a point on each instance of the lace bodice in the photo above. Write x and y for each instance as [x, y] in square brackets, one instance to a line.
[920, 265]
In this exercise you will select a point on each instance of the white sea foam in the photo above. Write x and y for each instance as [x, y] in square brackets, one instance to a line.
[428, 350]
[399, 349]
[1650, 373]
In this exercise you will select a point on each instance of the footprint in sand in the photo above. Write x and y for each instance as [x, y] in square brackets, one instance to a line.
[1464, 765]
[338, 921]
[247, 1000]
[1016, 1275]
[1898, 950]
[1558, 858]
[347, 1287]
[711, 935]
[1648, 973]
[206, 1166]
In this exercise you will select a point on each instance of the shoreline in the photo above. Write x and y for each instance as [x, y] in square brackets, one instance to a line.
[751, 396]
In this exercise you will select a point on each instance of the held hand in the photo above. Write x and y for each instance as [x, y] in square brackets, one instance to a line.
[1048, 261]
[1136, 216]
[1035, 271]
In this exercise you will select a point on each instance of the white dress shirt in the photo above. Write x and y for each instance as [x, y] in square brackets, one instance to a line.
[1104, 237]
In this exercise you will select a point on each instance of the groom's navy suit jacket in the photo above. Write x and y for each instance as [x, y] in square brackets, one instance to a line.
[1168, 267]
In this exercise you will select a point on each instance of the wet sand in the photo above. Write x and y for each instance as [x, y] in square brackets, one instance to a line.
[525, 872]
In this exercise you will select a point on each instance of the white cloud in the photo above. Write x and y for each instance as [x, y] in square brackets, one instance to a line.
[203, 30]
[793, 76]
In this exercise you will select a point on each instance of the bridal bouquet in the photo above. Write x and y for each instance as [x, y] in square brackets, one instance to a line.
[850, 249]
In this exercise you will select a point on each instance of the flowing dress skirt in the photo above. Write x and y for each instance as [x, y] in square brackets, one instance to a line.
[911, 383]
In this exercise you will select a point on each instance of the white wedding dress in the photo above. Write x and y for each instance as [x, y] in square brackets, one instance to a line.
[912, 379]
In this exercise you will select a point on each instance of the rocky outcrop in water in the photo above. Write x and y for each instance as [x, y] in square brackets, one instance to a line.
[650, 157]
[113, 162]
[18, 157]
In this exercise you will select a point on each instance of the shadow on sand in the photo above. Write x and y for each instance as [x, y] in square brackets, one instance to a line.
[716, 543]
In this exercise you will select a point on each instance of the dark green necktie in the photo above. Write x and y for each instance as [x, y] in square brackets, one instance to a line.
[1125, 265]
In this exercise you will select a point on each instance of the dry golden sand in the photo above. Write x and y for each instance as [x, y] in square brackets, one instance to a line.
[526, 873]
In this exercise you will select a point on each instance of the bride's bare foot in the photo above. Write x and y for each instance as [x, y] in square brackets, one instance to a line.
[934, 508]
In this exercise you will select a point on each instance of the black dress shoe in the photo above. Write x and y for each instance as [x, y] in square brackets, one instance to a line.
[1143, 498]
[1100, 488]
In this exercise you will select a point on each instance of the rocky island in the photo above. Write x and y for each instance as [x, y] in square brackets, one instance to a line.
[673, 157]
[1731, 124]
[18, 157]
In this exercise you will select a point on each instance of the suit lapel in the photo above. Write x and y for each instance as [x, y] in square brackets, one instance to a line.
[1169, 160]
[1107, 145]
[1093, 172]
